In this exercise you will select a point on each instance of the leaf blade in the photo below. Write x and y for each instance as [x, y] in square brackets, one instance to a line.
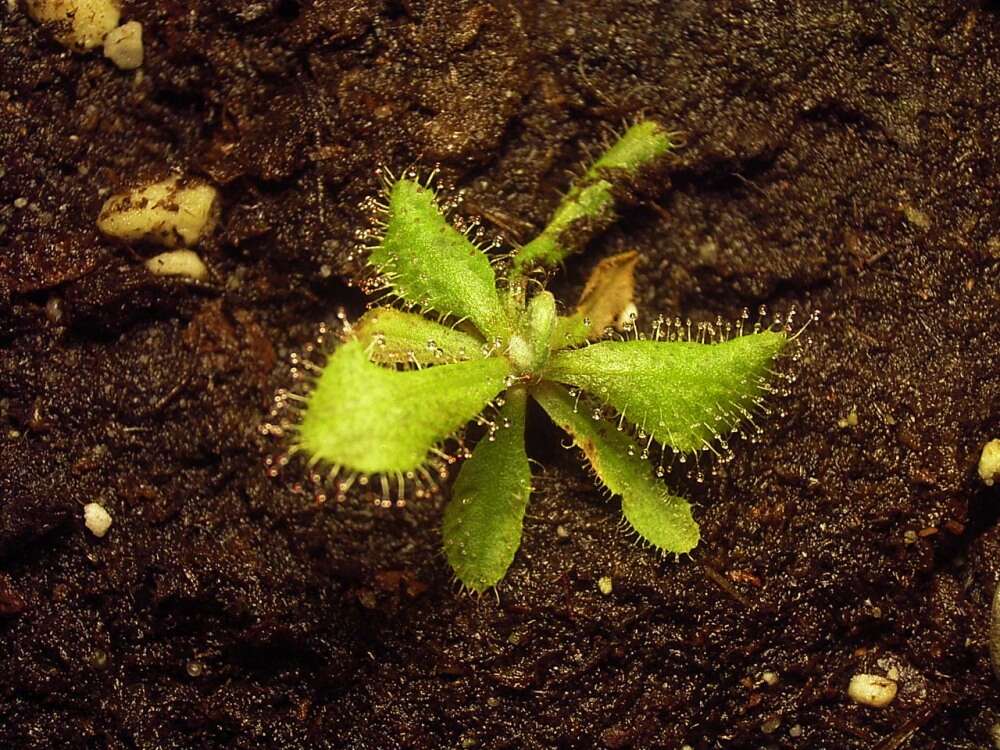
[396, 337]
[372, 419]
[680, 392]
[589, 205]
[432, 265]
[662, 519]
[484, 517]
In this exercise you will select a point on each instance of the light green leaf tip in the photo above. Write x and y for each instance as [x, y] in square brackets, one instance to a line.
[589, 205]
[371, 419]
[640, 144]
[685, 394]
[662, 519]
[432, 265]
[396, 337]
[482, 521]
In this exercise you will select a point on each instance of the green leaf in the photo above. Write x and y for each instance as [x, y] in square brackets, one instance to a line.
[683, 393]
[589, 206]
[662, 519]
[432, 265]
[528, 349]
[396, 337]
[371, 419]
[482, 521]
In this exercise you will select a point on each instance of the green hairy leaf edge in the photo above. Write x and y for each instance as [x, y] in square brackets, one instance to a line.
[662, 519]
[483, 517]
[429, 264]
[683, 393]
[371, 419]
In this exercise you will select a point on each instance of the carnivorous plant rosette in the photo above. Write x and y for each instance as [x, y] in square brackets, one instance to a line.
[402, 384]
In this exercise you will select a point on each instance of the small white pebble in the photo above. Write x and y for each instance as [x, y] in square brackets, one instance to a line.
[172, 212]
[770, 678]
[96, 519]
[20, 202]
[795, 731]
[562, 532]
[989, 463]
[872, 690]
[178, 263]
[78, 24]
[605, 585]
[123, 46]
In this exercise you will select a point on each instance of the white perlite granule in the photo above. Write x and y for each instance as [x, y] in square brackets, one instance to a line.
[872, 690]
[123, 46]
[96, 519]
[178, 263]
[78, 24]
[173, 212]
[989, 463]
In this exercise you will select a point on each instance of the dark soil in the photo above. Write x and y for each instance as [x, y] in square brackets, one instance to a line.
[840, 156]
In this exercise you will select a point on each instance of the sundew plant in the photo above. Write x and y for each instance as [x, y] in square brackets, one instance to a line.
[463, 345]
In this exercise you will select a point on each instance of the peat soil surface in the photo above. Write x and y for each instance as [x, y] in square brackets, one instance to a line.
[841, 157]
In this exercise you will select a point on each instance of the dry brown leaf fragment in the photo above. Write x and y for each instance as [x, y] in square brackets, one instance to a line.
[608, 295]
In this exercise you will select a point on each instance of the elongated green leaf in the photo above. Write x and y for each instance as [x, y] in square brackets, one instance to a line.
[396, 337]
[662, 519]
[432, 265]
[482, 522]
[589, 205]
[370, 419]
[683, 393]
